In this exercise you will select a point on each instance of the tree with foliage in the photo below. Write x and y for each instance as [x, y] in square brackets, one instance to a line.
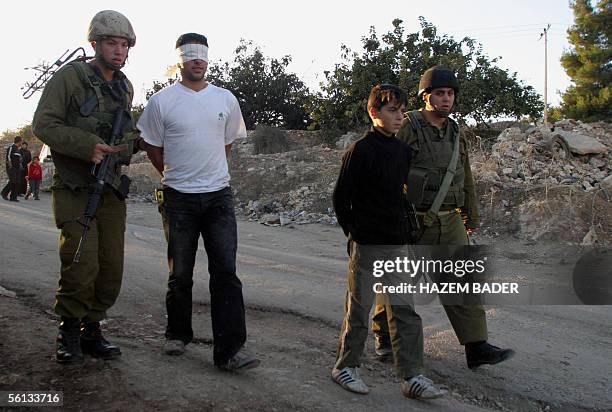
[25, 132]
[487, 91]
[589, 62]
[267, 93]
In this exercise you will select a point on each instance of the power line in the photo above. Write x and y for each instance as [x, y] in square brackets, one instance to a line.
[500, 27]
[510, 36]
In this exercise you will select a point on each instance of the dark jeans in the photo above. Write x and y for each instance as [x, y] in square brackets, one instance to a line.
[34, 188]
[212, 216]
[12, 186]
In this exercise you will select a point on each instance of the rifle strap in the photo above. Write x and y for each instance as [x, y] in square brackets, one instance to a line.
[432, 213]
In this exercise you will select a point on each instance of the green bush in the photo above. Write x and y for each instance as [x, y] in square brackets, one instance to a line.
[329, 135]
[270, 140]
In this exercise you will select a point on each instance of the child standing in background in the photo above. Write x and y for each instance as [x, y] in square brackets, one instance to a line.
[34, 178]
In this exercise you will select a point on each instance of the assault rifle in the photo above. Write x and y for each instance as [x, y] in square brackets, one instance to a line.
[104, 173]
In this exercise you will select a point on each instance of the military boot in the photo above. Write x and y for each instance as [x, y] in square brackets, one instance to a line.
[68, 349]
[483, 353]
[94, 344]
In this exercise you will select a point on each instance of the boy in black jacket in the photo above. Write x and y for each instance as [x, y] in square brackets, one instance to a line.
[369, 202]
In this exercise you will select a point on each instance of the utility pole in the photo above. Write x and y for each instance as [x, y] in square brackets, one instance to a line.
[545, 35]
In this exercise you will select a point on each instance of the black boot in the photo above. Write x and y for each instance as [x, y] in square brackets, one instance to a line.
[481, 353]
[68, 349]
[94, 344]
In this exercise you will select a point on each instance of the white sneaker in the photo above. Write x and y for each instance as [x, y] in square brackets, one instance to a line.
[174, 347]
[349, 379]
[420, 387]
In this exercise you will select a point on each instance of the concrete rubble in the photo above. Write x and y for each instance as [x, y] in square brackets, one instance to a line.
[573, 153]
[296, 186]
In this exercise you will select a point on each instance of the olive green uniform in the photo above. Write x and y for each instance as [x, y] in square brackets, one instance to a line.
[448, 227]
[74, 114]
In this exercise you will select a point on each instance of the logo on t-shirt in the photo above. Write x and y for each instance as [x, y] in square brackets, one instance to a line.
[221, 116]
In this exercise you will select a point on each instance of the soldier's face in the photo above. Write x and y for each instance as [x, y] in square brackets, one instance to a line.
[194, 70]
[114, 50]
[440, 100]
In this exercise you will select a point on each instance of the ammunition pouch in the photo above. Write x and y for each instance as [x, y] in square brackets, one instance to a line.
[95, 113]
[418, 180]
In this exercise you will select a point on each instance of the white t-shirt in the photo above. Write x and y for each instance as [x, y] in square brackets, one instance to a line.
[193, 128]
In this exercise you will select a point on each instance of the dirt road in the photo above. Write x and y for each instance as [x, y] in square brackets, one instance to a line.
[294, 281]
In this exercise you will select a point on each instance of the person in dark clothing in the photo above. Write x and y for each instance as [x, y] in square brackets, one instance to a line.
[367, 197]
[13, 170]
[432, 136]
[26, 158]
[369, 202]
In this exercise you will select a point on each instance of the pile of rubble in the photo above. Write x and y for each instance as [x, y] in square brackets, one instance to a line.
[567, 153]
[548, 183]
[537, 182]
[290, 187]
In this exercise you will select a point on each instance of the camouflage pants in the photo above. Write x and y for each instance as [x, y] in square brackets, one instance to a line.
[469, 321]
[89, 288]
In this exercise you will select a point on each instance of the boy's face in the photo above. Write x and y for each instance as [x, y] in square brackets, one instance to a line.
[389, 117]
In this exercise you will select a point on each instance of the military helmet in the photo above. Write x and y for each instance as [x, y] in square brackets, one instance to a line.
[110, 23]
[438, 76]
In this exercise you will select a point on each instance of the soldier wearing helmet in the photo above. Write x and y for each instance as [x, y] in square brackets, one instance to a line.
[446, 219]
[116, 28]
[74, 118]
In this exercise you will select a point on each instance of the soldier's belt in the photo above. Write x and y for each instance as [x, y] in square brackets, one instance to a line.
[442, 212]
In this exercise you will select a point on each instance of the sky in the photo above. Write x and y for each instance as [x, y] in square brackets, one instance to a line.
[310, 31]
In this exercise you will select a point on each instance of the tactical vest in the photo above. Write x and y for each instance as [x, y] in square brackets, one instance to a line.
[95, 113]
[102, 99]
[428, 167]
